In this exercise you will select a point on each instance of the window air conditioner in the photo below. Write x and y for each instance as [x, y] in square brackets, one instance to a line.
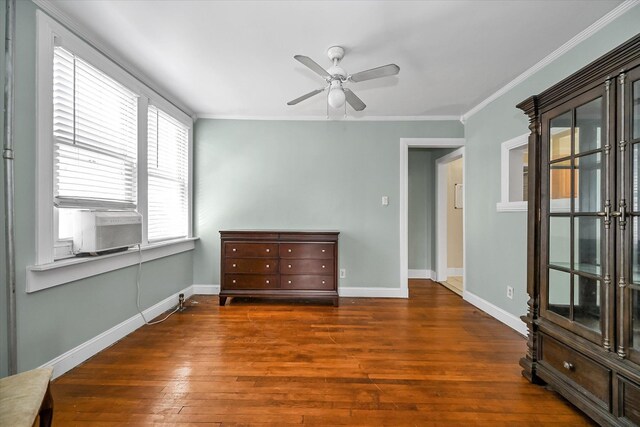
[95, 232]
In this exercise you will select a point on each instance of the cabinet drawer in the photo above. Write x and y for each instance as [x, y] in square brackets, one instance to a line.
[251, 265]
[304, 281]
[306, 250]
[250, 250]
[629, 400]
[306, 266]
[591, 376]
[250, 281]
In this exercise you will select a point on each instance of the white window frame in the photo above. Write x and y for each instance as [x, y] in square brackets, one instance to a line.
[505, 205]
[46, 272]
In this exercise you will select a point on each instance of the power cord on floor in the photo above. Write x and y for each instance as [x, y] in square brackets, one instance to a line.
[138, 293]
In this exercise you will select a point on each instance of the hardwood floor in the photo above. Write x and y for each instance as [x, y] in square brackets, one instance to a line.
[429, 360]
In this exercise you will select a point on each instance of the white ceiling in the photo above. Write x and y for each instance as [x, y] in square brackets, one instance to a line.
[235, 58]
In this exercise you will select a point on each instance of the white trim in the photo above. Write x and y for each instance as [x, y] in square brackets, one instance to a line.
[405, 143]
[44, 227]
[512, 206]
[372, 292]
[504, 205]
[441, 213]
[324, 118]
[580, 37]
[455, 271]
[422, 274]
[94, 40]
[497, 313]
[45, 276]
[432, 142]
[84, 351]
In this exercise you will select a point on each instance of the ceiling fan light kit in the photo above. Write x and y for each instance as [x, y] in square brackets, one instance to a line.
[336, 76]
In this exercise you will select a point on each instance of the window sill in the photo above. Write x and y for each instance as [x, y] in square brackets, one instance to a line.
[512, 206]
[45, 276]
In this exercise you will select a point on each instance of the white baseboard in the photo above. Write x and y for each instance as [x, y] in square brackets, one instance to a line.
[422, 274]
[455, 271]
[372, 292]
[496, 312]
[84, 351]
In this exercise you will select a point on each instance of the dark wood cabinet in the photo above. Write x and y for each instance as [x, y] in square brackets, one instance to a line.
[285, 264]
[583, 275]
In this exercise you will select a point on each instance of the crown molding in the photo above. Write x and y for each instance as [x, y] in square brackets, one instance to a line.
[579, 38]
[325, 118]
[93, 39]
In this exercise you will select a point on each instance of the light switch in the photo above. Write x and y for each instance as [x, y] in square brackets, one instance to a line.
[385, 200]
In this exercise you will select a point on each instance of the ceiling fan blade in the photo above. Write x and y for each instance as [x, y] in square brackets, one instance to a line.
[310, 63]
[305, 96]
[374, 73]
[355, 102]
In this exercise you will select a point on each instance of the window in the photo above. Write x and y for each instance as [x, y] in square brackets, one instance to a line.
[95, 143]
[168, 171]
[105, 140]
[514, 175]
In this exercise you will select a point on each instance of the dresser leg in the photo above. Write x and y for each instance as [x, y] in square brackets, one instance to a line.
[223, 301]
[336, 302]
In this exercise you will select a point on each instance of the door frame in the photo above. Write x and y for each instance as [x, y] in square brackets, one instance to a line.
[442, 270]
[405, 144]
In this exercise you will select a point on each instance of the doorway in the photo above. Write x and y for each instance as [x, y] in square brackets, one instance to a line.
[405, 144]
[450, 256]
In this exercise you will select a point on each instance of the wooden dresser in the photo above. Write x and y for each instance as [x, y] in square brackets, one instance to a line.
[285, 264]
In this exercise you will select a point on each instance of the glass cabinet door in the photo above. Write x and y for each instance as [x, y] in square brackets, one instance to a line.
[574, 170]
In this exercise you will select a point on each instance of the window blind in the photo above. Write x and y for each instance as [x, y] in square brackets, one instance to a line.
[95, 137]
[168, 176]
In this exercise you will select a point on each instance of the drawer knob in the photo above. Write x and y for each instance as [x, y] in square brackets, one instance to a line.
[323, 266]
[323, 282]
[233, 281]
[268, 250]
[568, 365]
[234, 249]
[233, 265]
[267, 281]
[289, 281]
[289, 265]
[267, 265]
[323, 251]
[289, 251]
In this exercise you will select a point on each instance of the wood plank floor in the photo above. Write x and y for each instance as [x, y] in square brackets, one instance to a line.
[430, 360]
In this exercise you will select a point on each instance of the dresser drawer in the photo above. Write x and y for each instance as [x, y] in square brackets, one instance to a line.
[306, 250]
[308, 282]
[629, 401]
[250, 281]
[250, 250]
[306, 266]
[593, 377]
[251, 265]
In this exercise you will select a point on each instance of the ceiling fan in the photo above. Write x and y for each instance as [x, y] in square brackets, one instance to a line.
[336, 77]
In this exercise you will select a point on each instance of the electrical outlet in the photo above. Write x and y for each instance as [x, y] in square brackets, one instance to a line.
[509, 292]
[343, 273]
[385, 200]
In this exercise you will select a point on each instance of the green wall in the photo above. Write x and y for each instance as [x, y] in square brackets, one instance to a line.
[421, 203]
[307, 175]
[496, 242]
[55, 320]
